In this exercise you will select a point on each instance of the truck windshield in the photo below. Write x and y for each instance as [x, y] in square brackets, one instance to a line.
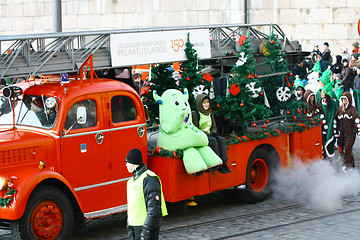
[35, 111]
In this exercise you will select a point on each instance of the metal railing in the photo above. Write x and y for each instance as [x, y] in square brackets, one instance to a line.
[51, 53]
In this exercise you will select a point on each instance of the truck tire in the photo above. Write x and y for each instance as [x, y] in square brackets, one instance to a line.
[48, 215]
[258, 177]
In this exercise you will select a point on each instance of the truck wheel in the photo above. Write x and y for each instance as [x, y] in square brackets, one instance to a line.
[258, 173]
[48, 215]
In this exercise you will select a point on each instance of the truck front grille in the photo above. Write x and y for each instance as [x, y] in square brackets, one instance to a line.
[17, 155]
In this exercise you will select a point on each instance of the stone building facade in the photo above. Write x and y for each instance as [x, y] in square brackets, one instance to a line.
[309, 21]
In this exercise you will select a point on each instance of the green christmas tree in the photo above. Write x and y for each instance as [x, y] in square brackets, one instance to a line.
[279, 88]
[191, 77]
[246, 98]
[161, 80]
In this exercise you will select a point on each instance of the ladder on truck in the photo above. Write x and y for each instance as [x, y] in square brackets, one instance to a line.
[56, 53]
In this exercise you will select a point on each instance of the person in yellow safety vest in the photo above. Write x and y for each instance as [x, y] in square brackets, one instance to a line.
[145, 199]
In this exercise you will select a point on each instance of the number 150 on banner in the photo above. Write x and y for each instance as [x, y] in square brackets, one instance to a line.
[157, 47]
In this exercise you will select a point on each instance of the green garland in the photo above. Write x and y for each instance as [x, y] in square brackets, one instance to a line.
[281, 128]
[8, 197]
[167, 153]
[266, 133]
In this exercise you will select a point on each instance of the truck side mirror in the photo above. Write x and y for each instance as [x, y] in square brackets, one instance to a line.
[81, 115]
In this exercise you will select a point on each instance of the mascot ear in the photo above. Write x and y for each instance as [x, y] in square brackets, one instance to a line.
[186, 94]
[157, 97]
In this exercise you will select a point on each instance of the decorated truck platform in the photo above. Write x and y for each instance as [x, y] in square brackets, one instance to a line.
[64, 140]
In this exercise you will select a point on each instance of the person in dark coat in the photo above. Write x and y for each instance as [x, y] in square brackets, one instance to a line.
[348, 76]
[145, 199]
[204, 120]
[337, 67]
[357, 80]
[138, 82]
[326, 55]
[301, 69]
[347, 122]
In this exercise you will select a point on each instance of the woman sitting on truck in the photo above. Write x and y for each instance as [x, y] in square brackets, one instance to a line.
[204, 120]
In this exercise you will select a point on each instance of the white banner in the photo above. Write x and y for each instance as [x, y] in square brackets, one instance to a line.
[132, 49]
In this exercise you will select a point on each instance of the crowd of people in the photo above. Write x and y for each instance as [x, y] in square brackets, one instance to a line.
[331, 91]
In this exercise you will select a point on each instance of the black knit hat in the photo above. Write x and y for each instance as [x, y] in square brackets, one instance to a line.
[134, 156]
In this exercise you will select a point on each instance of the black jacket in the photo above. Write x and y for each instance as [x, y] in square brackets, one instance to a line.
[152, 196]
[337, 67]
[300, 71]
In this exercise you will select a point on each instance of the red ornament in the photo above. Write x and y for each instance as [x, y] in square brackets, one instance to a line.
[217, 105]
[304, 112]
[298, 111]
[254, 125]
[264, 125]
[272, 42]
[241, 104]
[234, 89]
[242, 40]
[250, 76]
[187, 79]
[225, 119]
[267, 121]
[261, 93]
[208, 77]
[255, 76]
[290, 74]
[146, 99]
[232, 54]
[202, 80]
[288, 112]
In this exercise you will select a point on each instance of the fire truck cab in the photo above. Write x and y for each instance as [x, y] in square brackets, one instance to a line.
[65, 152]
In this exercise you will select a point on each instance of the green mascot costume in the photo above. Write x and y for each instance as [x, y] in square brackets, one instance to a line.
[328, 121]
[178, 133]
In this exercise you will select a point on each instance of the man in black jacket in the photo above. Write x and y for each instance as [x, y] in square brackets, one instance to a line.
[326, 55]
[146, 203]
[301, 69]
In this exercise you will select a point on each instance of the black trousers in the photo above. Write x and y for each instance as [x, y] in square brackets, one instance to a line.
[218, 145]
[135, 233]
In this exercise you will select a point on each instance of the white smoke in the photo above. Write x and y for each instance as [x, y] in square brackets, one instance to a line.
[320, 184]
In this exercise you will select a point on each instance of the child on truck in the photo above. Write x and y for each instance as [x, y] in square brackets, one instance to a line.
[204, 119]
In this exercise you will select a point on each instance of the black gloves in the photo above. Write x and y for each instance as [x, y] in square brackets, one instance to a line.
[131, 232]
[145, 234]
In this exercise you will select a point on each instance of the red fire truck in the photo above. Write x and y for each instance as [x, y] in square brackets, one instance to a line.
[63, 145]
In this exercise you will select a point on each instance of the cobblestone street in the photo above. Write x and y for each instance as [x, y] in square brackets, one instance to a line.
[314, 202]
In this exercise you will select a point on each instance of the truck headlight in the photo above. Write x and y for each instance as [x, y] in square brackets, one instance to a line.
[12, 92]
[3, 183]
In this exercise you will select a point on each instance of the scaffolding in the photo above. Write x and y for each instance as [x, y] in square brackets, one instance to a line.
[55, 53]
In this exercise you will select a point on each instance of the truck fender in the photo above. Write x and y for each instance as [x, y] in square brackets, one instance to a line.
[24, 184]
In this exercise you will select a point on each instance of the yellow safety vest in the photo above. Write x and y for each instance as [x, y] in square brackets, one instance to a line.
[205, 122]
[137, 212]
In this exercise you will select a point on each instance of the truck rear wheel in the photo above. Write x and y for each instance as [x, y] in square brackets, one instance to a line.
[258, 175]
[48, 215]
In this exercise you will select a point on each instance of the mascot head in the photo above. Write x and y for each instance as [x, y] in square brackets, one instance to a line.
[173, 103]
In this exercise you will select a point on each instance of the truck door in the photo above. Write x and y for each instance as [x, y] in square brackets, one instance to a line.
[83, 149]
[127, 132]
